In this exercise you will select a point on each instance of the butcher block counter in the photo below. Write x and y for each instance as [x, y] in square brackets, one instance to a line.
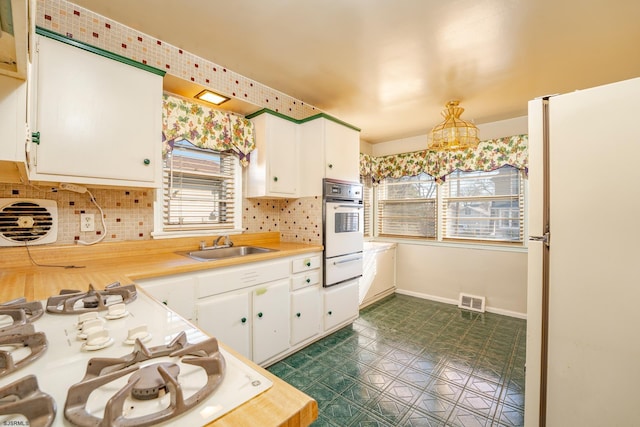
[39, 272]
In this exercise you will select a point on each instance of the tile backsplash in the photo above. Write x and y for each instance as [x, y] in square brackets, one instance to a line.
[128, 214]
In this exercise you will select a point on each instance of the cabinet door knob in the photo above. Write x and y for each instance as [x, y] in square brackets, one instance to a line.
[260, 314]
[243, 320]
[330, 312]
[147, 161]
[308, 280]
[297, 314]
[330, 165]
[275, 179]
[308, 264]
[35, 137]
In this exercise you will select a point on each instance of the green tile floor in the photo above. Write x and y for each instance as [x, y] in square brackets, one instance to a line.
[412, 362]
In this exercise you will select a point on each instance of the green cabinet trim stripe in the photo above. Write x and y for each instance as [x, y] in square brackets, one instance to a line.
[317, 116]
[64, 39]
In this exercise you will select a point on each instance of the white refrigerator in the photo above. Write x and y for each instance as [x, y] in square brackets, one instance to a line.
[583, 307]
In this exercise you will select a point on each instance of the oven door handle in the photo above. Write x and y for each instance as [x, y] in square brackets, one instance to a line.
[342, 261]
[349, 206]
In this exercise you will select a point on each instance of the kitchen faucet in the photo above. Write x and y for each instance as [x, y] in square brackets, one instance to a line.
[227, 243]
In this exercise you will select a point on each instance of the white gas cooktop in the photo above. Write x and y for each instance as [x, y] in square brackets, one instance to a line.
[65, 361]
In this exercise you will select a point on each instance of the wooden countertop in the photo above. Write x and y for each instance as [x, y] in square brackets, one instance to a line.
[75, 267]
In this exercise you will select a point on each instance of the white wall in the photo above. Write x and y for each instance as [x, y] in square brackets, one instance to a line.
[441, 272]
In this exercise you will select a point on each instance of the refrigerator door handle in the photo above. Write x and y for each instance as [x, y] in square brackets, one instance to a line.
[544, 239]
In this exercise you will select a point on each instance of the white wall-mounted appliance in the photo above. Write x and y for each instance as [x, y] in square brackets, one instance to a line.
[343, 237]
[28, 222]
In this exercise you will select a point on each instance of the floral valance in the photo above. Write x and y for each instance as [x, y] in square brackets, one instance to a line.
[489, 155]
[206, 128]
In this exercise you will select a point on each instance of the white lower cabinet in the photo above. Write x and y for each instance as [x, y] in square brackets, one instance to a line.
[340, 304]
[176, 292]
[226, 317]
[305, 314]
[263, 310]
[270, 306]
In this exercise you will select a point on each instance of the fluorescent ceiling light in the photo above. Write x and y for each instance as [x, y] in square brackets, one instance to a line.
[212, 97]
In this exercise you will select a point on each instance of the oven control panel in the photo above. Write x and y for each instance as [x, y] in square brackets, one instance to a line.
[342, 190]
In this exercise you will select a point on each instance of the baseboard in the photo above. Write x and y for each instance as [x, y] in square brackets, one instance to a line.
[377, 297]
[455, 302]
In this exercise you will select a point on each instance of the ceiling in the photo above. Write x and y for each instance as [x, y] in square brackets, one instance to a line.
[389, 66]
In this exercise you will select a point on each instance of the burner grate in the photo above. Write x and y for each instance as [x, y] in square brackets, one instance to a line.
[160, 376]
[23, 397]
[74, 302]
[20, 336]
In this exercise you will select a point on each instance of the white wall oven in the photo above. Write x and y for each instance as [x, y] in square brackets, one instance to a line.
[343, 220]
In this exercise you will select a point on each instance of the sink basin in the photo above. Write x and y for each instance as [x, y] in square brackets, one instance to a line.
[222, 253]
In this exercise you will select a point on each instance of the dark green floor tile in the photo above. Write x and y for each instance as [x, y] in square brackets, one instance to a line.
[280, 369]
[444, 389]
[389, 409]
[321, 393]
[462, 417]
[403, 392]
[484, 386]
[376, 379]
[361, 394]
[367, 419]
[416, 418]
[321, 421]
[478, 402]
[337, 381]
[510, 417]
[414, 377]
[342, 411]
[412, 362]
[389, 366]
[434, 404]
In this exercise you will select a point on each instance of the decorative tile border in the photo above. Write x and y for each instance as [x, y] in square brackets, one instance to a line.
[89, 27]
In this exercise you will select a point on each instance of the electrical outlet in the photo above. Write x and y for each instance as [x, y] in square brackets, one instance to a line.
[87, 222]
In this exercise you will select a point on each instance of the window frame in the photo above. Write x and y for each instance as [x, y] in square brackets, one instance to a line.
[440, 227]
[163, 230]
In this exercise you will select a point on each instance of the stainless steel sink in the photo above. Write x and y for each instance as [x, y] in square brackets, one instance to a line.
[223, 253]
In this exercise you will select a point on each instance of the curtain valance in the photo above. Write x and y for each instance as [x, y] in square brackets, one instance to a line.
[489, 155]
[206, 128]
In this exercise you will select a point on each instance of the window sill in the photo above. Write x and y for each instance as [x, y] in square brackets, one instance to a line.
[192, 233]
[449, 244]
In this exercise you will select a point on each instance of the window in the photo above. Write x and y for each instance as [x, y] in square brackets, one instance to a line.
[407, 207]
[484, 205]
[200, 189]
[477, 206]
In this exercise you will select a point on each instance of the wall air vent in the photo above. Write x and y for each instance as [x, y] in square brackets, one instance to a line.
[28, 222]
[471, 302]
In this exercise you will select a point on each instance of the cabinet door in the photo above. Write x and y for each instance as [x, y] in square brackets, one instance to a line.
[305, 314]
[177, 293]
[342, 152]
[274, 166]
[340, 304]
[99, 119]
[270, 320]
[226, 317]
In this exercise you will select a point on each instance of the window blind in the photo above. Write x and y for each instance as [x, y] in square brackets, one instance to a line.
[367, 197]
[484, 205]
[407, 207]
[199, 188]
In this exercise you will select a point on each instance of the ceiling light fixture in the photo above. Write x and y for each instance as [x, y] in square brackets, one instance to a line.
[453, 133]
[211, 97]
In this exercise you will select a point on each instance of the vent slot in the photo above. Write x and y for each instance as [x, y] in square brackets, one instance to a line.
[28, 221]
[471, 302]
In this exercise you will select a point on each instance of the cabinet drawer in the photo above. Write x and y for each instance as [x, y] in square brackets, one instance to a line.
[230, 279]
[305, 279]
[310, 262]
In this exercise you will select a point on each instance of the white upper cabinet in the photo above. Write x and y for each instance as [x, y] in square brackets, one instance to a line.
[98, 120]
[15, 30]
[273, 170]
[329, 150]
[13, 121]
